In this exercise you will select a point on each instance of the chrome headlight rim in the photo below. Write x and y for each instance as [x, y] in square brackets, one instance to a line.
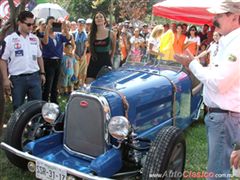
[50, 112]
[119, 127]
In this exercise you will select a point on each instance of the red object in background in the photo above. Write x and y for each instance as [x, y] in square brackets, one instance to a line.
[5, 9]
[190, 11]
[66, 17]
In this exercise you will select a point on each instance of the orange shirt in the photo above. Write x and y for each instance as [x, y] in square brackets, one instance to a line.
[178, 44]
[192, 46]
[124, 52]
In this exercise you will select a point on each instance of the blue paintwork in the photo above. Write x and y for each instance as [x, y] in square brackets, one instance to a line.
[45, 143]
[149, 91]
[51, 149]
[107, 163]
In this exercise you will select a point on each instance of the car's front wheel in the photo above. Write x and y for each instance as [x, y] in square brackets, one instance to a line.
[166, 157]
[25, 125]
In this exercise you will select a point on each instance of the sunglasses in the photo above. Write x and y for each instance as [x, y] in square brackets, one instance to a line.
[29, 24]
[192, 30]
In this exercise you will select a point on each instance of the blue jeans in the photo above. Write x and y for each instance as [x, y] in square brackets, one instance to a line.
[223, 130]
[23, 85]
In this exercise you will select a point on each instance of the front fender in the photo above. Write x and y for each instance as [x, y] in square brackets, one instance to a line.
[108, 163]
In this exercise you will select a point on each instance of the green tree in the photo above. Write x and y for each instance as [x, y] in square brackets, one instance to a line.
[121, 9]
[83, 8]
[80, 9]
[133, 9]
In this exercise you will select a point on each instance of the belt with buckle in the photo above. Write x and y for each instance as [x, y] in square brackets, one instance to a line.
[52, 59]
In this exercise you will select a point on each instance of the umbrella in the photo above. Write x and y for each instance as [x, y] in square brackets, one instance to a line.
[49, 9]
[192, 11]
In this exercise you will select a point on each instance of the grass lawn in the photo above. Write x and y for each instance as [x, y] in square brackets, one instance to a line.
[196, 159]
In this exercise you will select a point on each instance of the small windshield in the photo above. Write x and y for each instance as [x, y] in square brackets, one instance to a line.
[150, 61]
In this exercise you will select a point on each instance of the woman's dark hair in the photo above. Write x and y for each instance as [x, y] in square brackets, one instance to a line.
[93, 32]
[192, 27]
[179, 25]
[49, 18]
[24, 15]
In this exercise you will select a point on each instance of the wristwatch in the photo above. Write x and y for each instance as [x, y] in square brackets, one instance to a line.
[43, 73]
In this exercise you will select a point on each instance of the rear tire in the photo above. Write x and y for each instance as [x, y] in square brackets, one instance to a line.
[17, 126]
[166, 155]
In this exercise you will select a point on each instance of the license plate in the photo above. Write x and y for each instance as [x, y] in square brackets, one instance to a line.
[46, 172]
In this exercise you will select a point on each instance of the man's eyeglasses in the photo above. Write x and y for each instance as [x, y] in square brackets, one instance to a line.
[29, 24]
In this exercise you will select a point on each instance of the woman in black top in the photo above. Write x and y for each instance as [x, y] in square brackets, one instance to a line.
[102, 46]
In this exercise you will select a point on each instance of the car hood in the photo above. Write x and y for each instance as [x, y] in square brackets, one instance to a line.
[136, 75]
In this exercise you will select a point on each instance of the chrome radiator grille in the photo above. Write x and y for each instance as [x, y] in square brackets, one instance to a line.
[84, 126]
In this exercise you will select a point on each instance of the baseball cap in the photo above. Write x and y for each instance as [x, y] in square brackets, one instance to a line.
[225, 6]
[89, 21]
[81, 20]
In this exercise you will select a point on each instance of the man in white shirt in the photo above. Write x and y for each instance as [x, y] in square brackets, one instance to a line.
[22, 60]
[221, 88]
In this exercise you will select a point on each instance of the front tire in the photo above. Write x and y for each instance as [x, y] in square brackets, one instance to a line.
[166, 157]
[21, 129]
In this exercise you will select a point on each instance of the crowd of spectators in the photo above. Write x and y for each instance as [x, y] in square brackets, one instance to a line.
[75, 55]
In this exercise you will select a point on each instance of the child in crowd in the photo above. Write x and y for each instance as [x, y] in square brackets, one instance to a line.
[136, 52]
[204, 59]
[68, 68]
[82, 72]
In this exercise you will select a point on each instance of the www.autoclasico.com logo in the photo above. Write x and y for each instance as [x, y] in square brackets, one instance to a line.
[189, 174]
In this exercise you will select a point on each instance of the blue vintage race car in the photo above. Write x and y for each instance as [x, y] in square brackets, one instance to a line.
[127, 123]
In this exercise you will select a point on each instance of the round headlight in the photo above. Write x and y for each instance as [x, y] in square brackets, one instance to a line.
[119, 127]
[50, 112]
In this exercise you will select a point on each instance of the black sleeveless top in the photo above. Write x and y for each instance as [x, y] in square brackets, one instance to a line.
[102, 48]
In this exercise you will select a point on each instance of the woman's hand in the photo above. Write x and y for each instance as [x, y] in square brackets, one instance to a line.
[184, 59]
